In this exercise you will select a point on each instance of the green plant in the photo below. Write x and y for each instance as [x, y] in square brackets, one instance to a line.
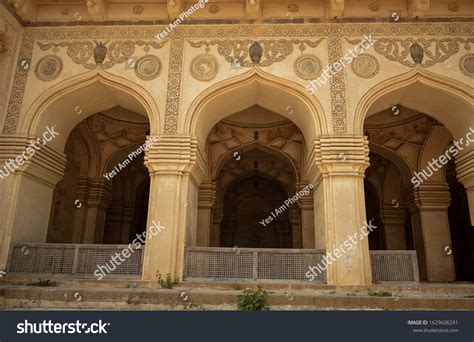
[380, 293]
[133, 300]
[251, 300]
[168, 283]
[43, 283]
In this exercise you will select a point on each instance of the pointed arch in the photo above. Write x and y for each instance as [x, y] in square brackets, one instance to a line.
[69, 102]
[255, 87]
[447, 100]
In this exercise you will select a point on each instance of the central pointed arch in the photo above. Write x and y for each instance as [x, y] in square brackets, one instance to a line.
[255, 87]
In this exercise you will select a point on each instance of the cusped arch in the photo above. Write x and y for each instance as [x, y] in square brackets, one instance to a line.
[69, 102]
[255, 87]
[242, 149]
[447, 100]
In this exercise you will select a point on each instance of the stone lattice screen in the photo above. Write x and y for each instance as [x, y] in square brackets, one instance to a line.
[207, 263]
[71, 259]
[251, 263]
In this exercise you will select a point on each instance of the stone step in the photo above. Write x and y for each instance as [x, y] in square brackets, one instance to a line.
[445, 289]
[100, 298]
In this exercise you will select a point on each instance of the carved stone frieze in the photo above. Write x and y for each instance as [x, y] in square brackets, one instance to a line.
[274, 50]
[333, 32]
[118, 51]
[436, 50]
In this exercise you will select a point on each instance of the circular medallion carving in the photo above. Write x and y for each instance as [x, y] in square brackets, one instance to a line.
[204, 67]
[307, 67]
[147, 67]
[374, 6]
[293, 8]
[138, 10]
[365, 66]
[466, 64]
[48, 68]
[214, 8]
[453, 7]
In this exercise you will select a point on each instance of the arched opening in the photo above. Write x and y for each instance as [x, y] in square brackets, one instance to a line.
[255, 154]
[462, 233]
[254, 113]
[103, 195]
[67, 175]
[421, 203]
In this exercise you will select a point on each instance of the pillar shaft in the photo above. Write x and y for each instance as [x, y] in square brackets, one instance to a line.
[394, 226]
[98, 195]
[27, 192]
[172, 204]
[206, 197]
[465, 174]
[339, 202]
[307, 218]
[428, 205]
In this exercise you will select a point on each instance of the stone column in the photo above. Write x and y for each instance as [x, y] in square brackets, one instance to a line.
[27, 192]
[465, 174]
[394, 217]
[307, 217]
[172, 204]
[99, 196]
[340, 206]
[217, 216]
[428, 205]
[206, 197]
[127, 218]
[295, 227]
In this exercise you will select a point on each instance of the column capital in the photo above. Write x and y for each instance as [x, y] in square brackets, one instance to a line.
[95, 191]
[207, 194]
[43, 163]
[175, 154]
[393, 214]
[465, 168]
[428, 196]
[306, 202]
[339, 155]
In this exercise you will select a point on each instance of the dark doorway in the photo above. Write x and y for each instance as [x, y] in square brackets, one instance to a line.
[247, 202]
